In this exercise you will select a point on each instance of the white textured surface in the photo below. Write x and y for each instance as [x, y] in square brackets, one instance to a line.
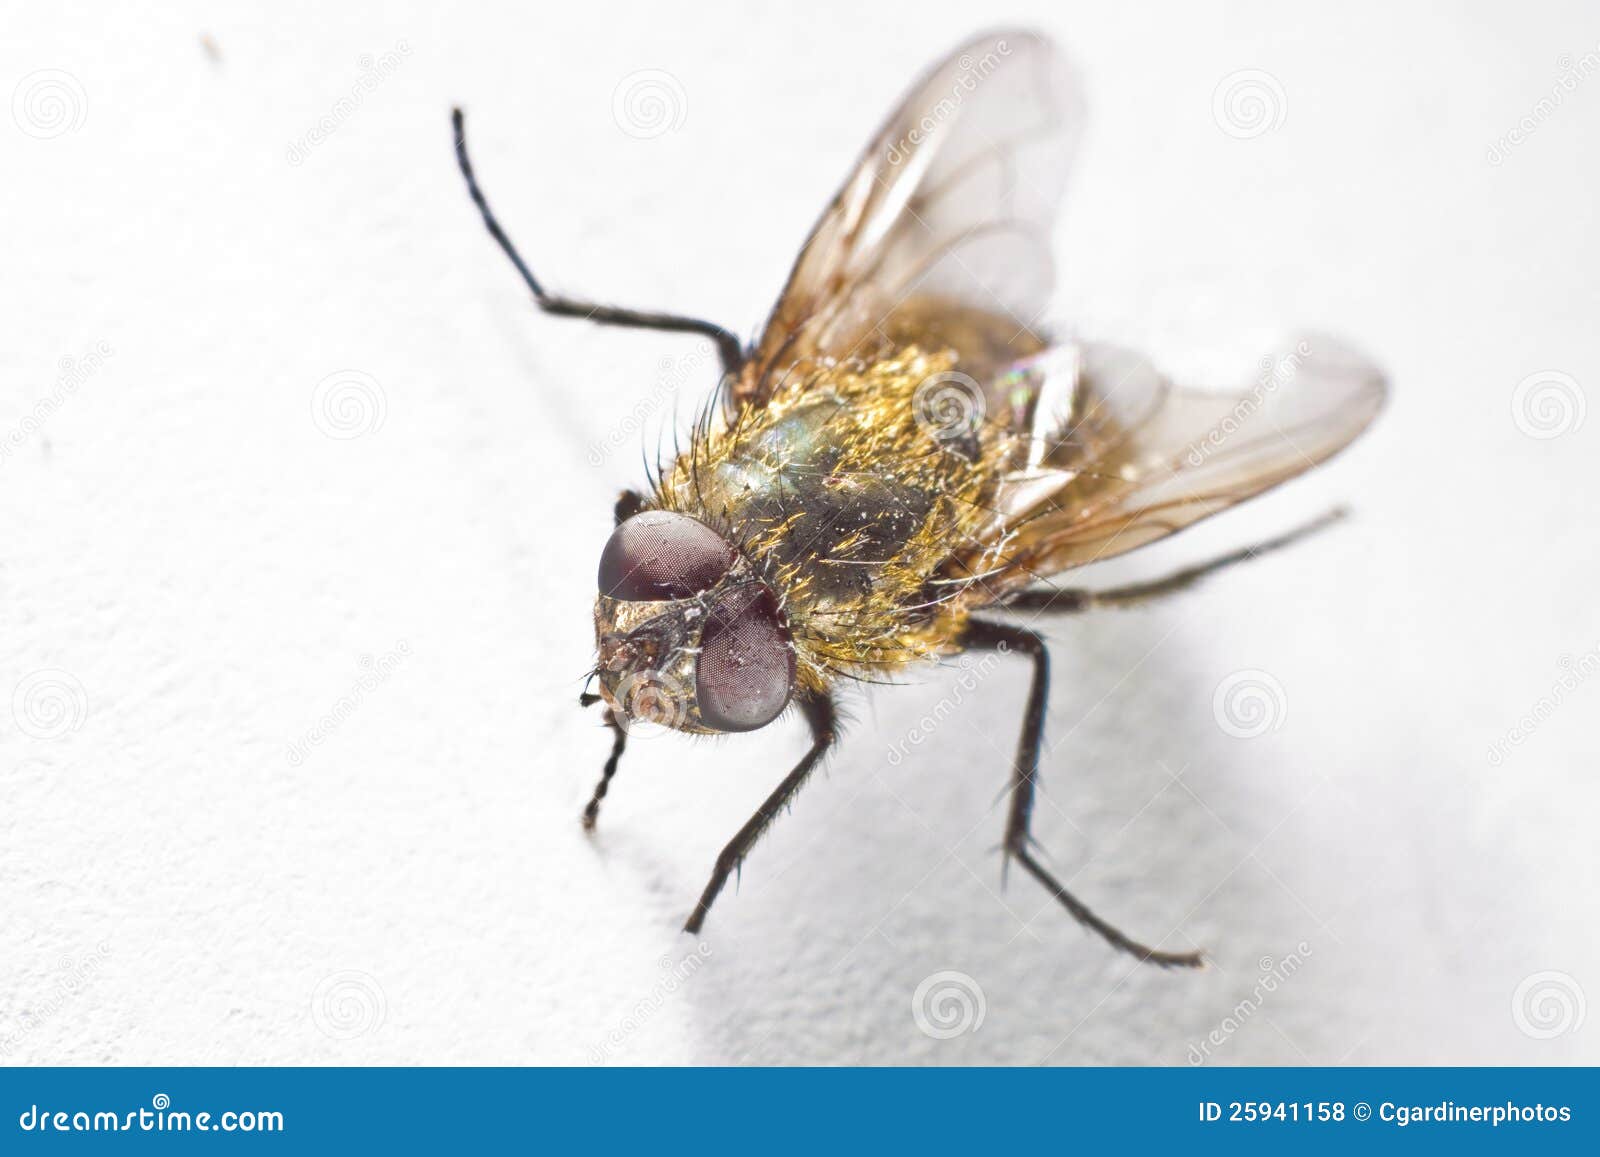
[184, 541]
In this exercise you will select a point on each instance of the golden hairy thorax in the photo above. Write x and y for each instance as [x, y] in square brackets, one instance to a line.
[848, 490]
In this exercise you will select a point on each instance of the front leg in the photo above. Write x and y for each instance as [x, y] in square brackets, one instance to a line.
[627, 506]
[619, 743]
[982, 636]
[819, 713]
[729, 349]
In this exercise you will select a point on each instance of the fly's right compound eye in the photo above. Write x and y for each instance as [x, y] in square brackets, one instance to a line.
[746, 667]
[659, 554]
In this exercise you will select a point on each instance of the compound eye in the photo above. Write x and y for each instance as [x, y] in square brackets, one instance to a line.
[659, 554]
[745, 672]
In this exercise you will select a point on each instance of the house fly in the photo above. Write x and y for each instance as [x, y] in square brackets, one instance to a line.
[904, 458]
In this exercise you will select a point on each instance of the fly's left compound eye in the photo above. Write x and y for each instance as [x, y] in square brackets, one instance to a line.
[745, 671]
[658, 555]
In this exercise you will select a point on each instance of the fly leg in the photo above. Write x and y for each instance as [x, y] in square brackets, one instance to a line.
[619, 743]
[982, 636]
[819, 713]
[627, 506]
[728, 347]
[1069, 599]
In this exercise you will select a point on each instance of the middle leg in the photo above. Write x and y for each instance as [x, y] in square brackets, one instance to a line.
[982, 636]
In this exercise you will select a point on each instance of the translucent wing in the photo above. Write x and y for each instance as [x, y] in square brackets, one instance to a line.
[942, 232]
[1106, 455]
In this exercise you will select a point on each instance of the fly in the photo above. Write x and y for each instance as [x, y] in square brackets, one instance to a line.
[904, 459]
